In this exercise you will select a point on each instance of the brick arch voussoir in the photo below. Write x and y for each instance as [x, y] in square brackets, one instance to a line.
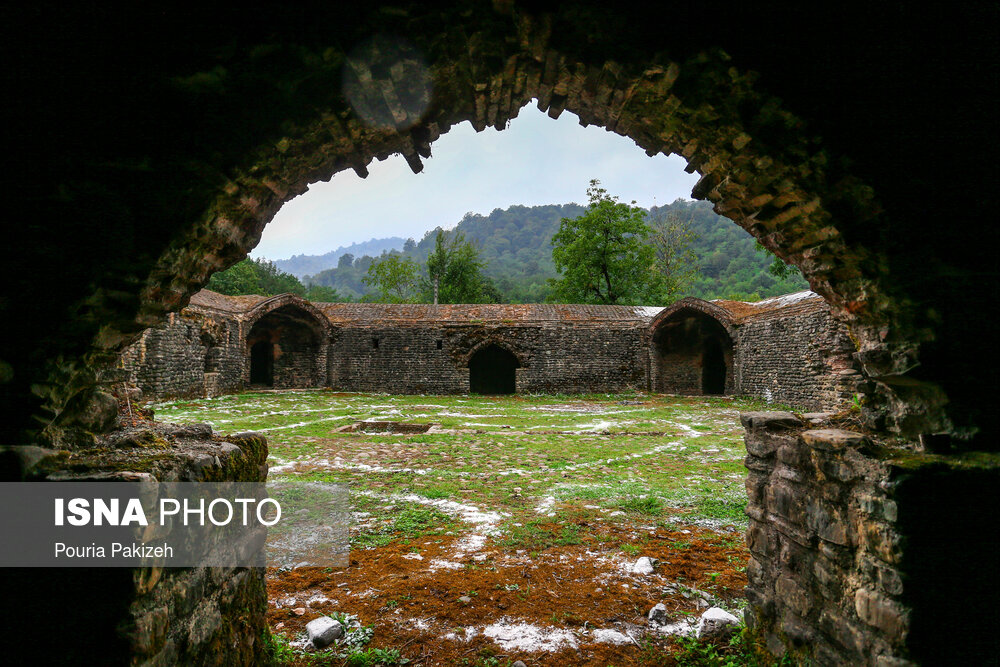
[523, 358]
[688, 304]
[321, 324]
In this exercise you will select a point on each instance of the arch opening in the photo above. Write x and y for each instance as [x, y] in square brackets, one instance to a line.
[285, 349]
[692, 355]
[493, 370]
[262, 363]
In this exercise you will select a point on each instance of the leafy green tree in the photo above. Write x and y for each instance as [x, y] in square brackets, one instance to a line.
[241, 278]
[455, 273]
[255, 276]
[324, 294]
[778, 268]
[673, 239]
[394, 277]
[604, 256]
[273, 280]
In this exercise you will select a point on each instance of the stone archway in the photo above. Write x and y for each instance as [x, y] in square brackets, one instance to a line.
[691, 350]
[493, 370]
[244, 118]
[760, 164]
[286, 344]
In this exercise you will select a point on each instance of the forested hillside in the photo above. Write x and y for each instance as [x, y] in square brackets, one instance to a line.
[516, 244]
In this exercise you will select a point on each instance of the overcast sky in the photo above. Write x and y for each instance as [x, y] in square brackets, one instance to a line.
[536, 160]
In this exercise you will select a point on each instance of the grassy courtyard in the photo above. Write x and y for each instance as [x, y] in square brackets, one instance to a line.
[492, 529]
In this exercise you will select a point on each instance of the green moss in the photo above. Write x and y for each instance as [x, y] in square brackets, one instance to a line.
[913, 461]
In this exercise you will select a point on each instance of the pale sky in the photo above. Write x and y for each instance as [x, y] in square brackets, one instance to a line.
[536, 160]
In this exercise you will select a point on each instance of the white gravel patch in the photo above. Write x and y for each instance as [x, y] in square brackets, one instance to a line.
[514, 636]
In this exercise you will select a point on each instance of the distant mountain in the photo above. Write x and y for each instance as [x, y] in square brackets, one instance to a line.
[301, 266]
[516, 243]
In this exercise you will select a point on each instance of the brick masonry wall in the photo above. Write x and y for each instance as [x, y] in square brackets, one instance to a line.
[155, 616]
[799, 356]
[552, 357]
[796, 355]
[844, 568]
[172, 360]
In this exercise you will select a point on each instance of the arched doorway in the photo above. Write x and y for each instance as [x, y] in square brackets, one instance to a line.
[262, 363]
[713, 367]
[493, 370]
[287, 348]
[692, 354]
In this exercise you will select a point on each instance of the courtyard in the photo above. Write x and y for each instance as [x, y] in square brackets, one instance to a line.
[493, 529]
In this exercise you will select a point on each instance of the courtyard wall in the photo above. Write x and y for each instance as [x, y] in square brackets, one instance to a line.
[786, 350]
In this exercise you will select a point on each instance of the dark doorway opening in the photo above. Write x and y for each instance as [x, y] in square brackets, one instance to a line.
[492, 371]
[692, 355]
[713, 368]
[262, 363]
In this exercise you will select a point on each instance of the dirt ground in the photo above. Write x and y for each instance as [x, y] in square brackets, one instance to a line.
[567, 605]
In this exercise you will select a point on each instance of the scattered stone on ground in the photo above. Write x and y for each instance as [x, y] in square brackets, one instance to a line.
[643, 566]
[658, 614]
[716, 623]
[323, 631]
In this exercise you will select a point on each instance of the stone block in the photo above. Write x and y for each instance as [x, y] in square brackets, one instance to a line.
[880, 540]
[797, 630]
[795, 596]
[832, 439]
[791, 531]
[827, 523]
[843, 632]
[881, 612]
[783, 499]
[758, 539]
[323, 631]
[769, 421]
[716, 623]
[886, 660]
[150, 634]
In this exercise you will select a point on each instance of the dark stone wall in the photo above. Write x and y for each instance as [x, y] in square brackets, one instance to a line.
[798, 356]
[843, 568]
[552, 358]
[151, 616]
[192, 354]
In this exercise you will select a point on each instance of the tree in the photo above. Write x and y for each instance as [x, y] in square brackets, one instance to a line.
[255, 276]
[324, 294]
[673, 238]
[395, 278]
[778, 268]
[455, 272]
[346, 261]
[604, 256]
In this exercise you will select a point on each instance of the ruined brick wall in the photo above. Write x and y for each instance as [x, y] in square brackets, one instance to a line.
[798, 356]
[192, 354]
[795, 354]
[553, 358]
[300, 363]
[844, 568]
[151, 616]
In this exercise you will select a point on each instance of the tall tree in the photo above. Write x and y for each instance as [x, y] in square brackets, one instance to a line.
[394, 277]
[604, 256]
[673, 240]
[455, 272]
